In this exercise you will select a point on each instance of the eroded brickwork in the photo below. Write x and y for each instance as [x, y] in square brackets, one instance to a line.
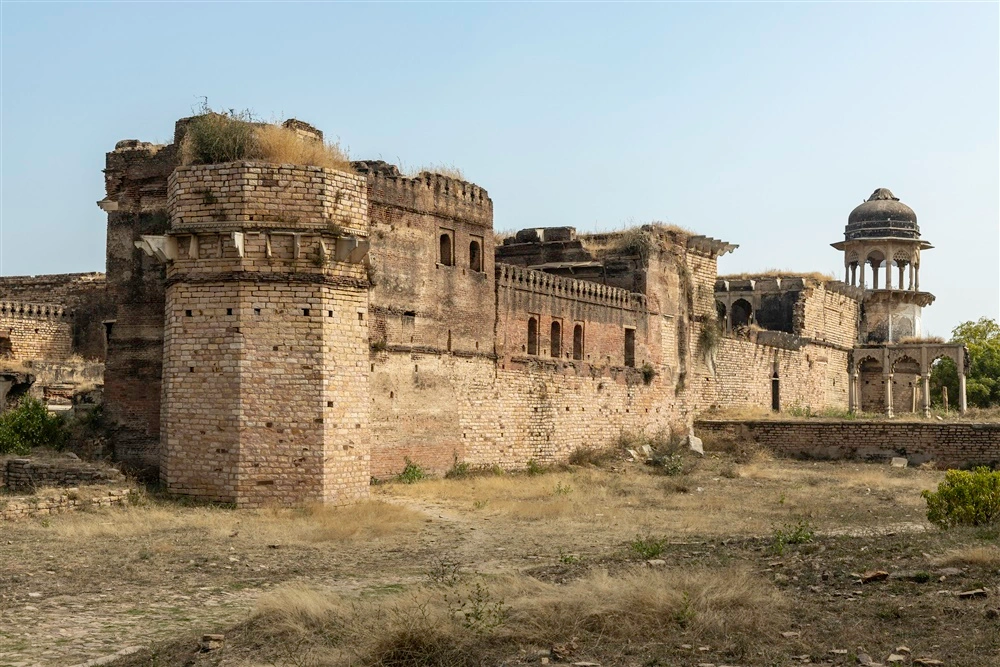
[31, 331]
[265, 394]
[948, 445]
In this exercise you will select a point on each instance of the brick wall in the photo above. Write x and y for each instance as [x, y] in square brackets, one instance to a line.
[265, 376]
[83, 297]
[35, 331]
[947, 444]
[56, 503]
[29, 474]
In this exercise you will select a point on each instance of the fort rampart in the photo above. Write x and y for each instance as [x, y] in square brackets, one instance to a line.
[947, 444]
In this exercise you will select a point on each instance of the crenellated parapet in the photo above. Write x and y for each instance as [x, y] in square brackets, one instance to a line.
[253, 195]
[540, 282]
[427, 193]
[38, 311]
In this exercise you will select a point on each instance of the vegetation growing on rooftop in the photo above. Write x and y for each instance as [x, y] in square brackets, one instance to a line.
[214, 137]
[816, 276]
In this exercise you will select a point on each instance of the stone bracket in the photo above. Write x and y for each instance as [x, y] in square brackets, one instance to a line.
[163, 248]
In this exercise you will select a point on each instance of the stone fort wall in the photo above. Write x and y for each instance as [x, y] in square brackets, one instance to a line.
[947, 444]
[31, 331]
[266, 342]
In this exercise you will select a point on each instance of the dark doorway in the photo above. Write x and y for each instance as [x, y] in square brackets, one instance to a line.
[775, 393]
[630, 347]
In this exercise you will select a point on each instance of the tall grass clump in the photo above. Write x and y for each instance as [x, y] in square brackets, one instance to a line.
[214, 137]
[965, 498]
[28, 425]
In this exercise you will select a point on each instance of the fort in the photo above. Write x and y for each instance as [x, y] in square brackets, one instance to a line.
[272, 333]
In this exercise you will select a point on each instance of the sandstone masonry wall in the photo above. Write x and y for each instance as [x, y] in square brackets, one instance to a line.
[29, 474]
[266, 341]
[948, 444]
[35, 331]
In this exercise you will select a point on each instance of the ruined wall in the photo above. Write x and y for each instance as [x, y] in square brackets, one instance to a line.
[809, 376]
[136, 182]
[35, 331]
[949, 445]
[265, 394]
[829, 313]
[83, 297]
[451, 296]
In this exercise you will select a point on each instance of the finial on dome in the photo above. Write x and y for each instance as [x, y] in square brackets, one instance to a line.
[883, 194]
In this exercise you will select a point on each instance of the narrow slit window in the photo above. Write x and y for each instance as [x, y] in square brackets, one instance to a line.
[532, 336]
[555, 342]
[630, 347]
[447, 256]
[578, 342]
[475, 256]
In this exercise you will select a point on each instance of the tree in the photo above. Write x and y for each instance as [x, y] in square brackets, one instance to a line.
[982, 382]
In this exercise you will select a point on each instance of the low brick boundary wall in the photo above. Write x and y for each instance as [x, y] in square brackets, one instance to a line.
[947, 444]
[65, 501]
[28, 474]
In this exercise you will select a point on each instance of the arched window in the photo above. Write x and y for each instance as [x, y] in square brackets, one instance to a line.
[578, 342]
[475, 256]
[740, 313]
[532, 336]
[446, 254]
[556, 340]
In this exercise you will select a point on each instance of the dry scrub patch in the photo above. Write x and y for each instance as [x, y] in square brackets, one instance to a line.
[424, 572]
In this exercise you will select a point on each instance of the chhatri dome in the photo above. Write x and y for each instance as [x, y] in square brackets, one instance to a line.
[882, 216]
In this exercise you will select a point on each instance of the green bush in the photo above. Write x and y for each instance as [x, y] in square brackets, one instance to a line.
[411, 473]
[798, 533]
[28, 425]
[647, 546]
[965, 498]
[212, 137]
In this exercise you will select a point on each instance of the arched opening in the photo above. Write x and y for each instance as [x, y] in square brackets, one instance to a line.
[720, 312]
[6, 348]
[906, 385]
[871, 383]
[475, 256]
[532, 335]
[555, 341]
[741, 313]
[578, 342]
[446, 255]
[876, 259]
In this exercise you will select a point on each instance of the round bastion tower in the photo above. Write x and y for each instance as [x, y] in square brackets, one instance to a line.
[882, 248]
[265, 351]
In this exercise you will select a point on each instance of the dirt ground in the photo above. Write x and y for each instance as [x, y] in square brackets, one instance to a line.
[756, 563]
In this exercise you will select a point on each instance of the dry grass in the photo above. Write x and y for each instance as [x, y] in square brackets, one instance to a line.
[312, 524]
[913, 340]
[283, 146]
[214, 138]
[448, 170]
[987, 557]
[813, 276]
[770, 491]
[467, 622]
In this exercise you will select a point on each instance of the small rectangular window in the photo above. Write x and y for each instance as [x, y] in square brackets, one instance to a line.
[305, 311]
[630, 347]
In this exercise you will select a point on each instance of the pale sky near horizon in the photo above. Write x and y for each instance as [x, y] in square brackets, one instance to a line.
[761, 124]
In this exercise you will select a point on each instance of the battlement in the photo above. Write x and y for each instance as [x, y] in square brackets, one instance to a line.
[428, 193]
[38, 311]
[539, 282]
[254, 195]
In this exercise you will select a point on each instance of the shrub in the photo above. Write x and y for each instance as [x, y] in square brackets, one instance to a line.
[30, 425]
[583, 456]
[648, 373]
[214, 137]
[965, 498]
[799, 533]
[647, 546]
[411, 473]
[534, 468]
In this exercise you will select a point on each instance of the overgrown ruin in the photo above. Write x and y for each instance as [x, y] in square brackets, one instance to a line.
[283, 334]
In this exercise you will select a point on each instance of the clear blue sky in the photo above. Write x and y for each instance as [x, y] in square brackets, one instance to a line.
[761, 124]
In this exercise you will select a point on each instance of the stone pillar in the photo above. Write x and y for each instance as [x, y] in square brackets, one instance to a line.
[888, 273]
[916, 279]
[861, 283]
[888, 396]
[927, 395]
[847, 274]
[909, 285]
[901, 268]
[852, 392]
[961, 393]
